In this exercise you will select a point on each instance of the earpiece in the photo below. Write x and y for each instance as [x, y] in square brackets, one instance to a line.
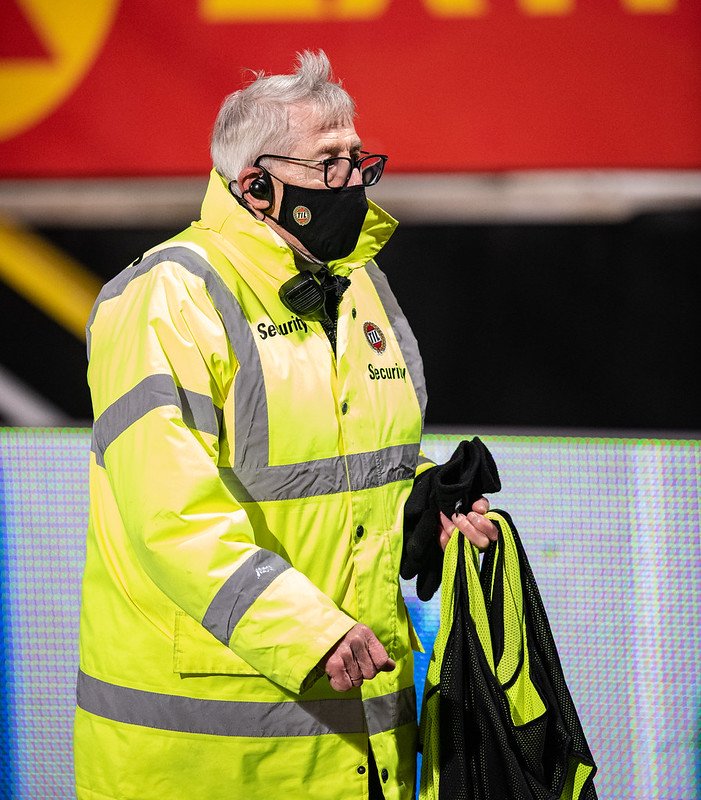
[261, 187]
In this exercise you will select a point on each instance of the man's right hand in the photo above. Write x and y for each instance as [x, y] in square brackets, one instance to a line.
[357, 657]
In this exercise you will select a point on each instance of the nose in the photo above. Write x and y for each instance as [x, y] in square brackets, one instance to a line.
[355, 177]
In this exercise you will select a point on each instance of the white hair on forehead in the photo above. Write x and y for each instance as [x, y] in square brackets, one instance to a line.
[255, 120]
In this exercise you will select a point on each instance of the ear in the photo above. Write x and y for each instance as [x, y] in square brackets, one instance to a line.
[244, 181]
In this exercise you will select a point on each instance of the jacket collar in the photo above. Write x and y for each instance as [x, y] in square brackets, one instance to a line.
[223, 214]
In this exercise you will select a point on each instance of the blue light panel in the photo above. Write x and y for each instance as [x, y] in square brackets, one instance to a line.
[611, 528]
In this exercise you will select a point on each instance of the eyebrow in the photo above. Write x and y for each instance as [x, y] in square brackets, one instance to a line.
[335, 149]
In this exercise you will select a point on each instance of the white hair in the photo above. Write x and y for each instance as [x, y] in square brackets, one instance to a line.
[255, 120]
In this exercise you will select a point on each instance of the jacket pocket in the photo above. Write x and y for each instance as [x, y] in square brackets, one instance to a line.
[197, 652]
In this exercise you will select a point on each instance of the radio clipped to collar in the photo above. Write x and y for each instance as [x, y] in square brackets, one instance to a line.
[305, 297]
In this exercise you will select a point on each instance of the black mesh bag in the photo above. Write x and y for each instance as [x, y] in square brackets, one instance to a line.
[483, 753]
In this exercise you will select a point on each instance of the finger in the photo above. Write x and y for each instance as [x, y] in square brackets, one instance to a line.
[447, 525]
[338, 677]
[467, 525]
[379, 656]
[481, 505]
[363, 659]
[340, 683]
[488, 528]
[483, 524]
[353, 670]
[446, 531]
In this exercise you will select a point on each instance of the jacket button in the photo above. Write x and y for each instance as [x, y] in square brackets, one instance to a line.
[344, 408]
[384, 775]
[361, 770]
[354, 313]
[359, 531]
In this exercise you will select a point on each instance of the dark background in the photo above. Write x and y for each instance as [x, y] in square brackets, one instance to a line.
[561, 326]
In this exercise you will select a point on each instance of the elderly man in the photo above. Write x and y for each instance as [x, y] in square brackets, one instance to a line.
[258, 402]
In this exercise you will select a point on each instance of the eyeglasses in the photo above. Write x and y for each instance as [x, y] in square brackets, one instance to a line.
[338, 170]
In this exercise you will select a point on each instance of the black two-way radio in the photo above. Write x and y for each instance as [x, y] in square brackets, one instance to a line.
[305, 297]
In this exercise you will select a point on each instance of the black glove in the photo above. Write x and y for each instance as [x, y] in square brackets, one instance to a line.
[450, 487]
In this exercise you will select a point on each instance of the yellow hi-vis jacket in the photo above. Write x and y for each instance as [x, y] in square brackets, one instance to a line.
[247, 489]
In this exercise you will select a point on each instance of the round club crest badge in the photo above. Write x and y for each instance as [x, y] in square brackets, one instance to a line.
[375, 337]
[301, 215]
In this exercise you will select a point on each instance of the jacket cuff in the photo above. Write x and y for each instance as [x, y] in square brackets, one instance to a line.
[302, 677]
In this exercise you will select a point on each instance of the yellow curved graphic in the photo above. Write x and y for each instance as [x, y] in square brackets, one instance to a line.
[71, 33]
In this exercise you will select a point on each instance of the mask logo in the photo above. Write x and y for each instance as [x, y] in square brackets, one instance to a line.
[302, 215]
[376, 339]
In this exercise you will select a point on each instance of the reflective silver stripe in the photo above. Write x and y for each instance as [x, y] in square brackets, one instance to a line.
[424, 460]
[240, 591]
[390, 711]
[199, 411]
[324, 476]
[380, 467]
[155, 391]
[406, 339]
[251, 423]
[219, 717]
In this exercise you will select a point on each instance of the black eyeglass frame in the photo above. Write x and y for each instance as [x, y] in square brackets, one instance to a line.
[355, 163]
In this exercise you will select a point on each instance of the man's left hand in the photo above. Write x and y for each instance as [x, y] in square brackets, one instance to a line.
[475, 527]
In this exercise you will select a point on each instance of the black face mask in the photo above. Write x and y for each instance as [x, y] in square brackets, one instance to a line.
[326, 221]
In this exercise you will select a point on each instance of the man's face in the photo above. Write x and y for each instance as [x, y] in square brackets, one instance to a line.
[315, 141]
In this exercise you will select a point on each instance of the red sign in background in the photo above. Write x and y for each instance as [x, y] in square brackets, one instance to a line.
[441, 85]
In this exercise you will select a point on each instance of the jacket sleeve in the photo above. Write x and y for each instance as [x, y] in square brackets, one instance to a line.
[160, 371]
[423, 464]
